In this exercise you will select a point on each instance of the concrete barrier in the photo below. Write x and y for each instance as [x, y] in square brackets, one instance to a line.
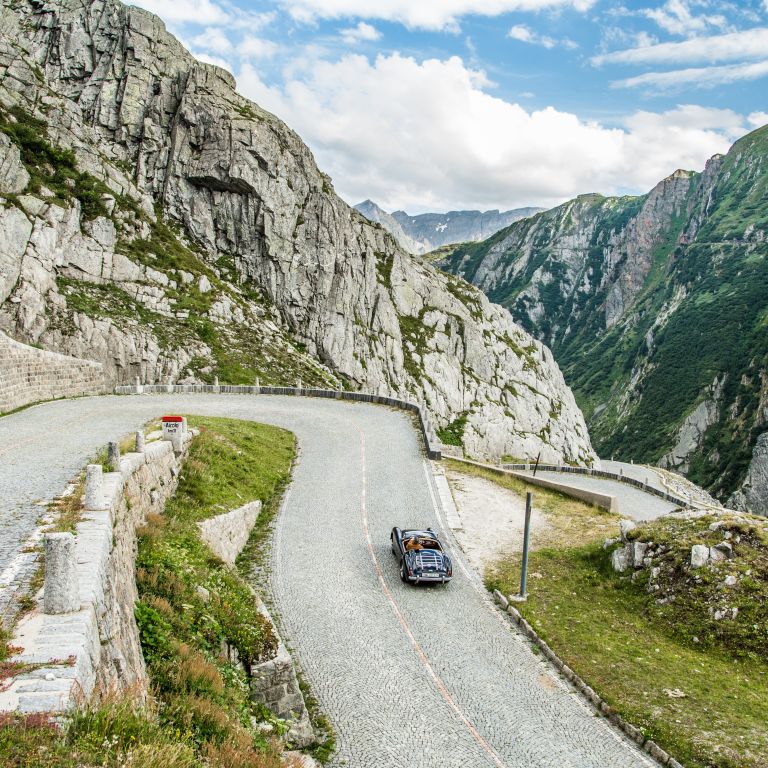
[602, 500]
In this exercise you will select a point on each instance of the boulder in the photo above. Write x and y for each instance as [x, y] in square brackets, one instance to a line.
[620, 560]
[699, 555]
[625, 526]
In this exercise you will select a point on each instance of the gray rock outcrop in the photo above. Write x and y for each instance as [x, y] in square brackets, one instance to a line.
[753, 494]
[296, 283]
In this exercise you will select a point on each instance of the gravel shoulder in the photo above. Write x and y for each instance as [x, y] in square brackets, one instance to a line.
[492, 519]
[408, 676]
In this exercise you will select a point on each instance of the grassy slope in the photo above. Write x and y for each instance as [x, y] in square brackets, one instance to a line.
[201, 715]
[631, 651]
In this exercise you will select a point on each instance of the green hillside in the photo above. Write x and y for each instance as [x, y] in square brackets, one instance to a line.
[689, 263]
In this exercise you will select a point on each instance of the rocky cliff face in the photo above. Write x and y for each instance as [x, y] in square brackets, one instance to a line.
[655, 307]
[155, 220]
[427, 232]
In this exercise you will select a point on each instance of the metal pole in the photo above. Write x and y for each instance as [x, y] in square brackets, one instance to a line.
[536, 465]
[526, 537]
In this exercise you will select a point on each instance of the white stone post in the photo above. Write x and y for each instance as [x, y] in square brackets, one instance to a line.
[94, 494]
[298, 386]
[113, 456]
[216, 386]
[169, 387]
[140, 442]
[61, 592]
[258, 385]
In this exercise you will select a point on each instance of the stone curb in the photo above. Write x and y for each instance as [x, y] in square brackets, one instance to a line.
[431, 442]
[633, 733]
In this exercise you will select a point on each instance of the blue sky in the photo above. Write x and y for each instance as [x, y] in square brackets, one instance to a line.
[447, 104]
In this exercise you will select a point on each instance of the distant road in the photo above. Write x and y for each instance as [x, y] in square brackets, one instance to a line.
[410, 677]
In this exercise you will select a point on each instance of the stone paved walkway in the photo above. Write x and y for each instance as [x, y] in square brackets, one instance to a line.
[410, 677]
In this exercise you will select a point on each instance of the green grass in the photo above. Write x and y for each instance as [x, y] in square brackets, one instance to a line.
[50, 166]
[597, 623]
[453, 433]
[609, 629]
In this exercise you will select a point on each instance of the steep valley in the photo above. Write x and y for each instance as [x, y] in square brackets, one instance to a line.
[656, 307]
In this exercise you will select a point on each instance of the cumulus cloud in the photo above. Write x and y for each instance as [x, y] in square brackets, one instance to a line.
[427, 14]
[205, 13]
[676, 17]
[734, 46]
[525, 34]
[361, 33]
[252, 47]
[698, 77]
[212, 40]
[428, 136]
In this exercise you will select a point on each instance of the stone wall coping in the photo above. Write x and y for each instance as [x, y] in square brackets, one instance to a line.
[68, 645]
[431, 441]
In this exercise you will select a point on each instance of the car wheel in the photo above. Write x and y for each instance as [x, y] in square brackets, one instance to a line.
[403, 575]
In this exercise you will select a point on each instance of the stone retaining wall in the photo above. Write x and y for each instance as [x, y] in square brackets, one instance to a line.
[431, 441]
[29, 375]
[96, 649]
[227, 534]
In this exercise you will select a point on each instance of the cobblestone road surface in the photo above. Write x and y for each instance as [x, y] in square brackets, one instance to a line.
[410, 677]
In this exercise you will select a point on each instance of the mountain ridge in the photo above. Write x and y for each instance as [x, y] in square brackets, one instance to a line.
[653, 306]
[172, 229]
[425, 232]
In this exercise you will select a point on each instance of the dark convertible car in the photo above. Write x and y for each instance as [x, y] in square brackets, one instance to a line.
[421, 556]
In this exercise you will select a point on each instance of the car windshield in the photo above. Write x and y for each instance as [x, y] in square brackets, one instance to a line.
[421, 542]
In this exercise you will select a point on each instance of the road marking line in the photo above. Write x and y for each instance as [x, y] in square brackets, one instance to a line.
[439, 684]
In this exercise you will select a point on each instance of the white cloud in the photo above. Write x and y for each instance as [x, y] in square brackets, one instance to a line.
[428, 14]
[427, 136]
[217, 60]
[758, 119]
[186, 11]
[212, 40]
[699, 77]
[526, 35]
[251, 47]
[675, 16]
[361, 33]
[735, 46]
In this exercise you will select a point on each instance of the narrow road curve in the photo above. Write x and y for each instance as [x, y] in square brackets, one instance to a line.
[410, 677]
